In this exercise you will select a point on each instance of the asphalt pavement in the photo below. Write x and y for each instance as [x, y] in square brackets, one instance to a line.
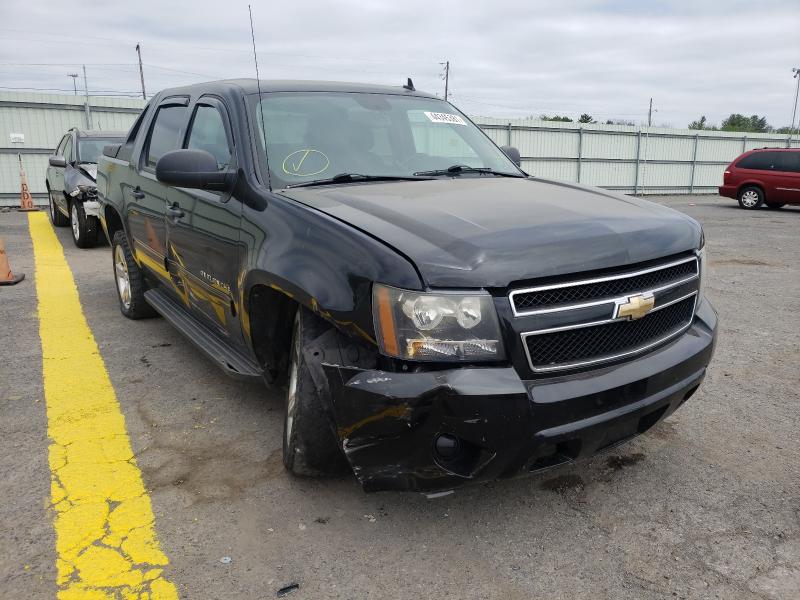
[705, 505]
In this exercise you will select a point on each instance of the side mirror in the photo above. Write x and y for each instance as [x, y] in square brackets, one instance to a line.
[57, 161]
[193, 169]
[513, 154]
[111, 150]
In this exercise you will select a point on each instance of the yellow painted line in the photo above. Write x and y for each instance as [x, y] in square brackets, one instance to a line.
[106, 542]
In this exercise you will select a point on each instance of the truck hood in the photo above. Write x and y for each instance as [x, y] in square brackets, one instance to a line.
[471, 232]
[89, 169]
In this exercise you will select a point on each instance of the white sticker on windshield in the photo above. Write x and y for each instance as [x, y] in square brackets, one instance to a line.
[437, 117]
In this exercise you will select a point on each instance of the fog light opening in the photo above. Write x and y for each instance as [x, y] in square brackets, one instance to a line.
[448, 447]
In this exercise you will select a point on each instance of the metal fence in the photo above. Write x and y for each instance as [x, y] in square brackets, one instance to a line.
[31, 125]
[633, 160]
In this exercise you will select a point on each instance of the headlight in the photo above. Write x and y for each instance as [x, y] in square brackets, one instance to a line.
[436, 326]
[702, 260]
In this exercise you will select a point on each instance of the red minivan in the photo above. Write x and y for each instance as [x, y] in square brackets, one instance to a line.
[768, 176]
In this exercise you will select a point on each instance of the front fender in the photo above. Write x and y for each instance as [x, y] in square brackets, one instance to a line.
[320, 262]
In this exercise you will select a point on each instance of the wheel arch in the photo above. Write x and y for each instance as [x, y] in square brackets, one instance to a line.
[755, 184]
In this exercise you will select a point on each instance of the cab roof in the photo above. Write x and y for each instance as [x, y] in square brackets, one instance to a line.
[250, 86]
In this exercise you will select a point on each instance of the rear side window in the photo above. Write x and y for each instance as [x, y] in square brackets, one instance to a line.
[762, 161]
[790, 161]
[167, 133]
[208, 133]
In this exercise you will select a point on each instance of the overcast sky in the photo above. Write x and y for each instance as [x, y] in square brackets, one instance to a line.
[604, 57]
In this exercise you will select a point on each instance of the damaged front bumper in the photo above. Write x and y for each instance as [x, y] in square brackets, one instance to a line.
[436, 430]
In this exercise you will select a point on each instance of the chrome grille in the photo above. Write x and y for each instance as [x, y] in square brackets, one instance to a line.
[561, 349]
[545, 298]
[578, 324]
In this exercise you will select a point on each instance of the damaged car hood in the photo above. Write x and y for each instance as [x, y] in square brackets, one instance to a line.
[489, 232]
[88, 169]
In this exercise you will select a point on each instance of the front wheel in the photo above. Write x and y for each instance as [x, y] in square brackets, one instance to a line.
[310, 446]
[84, 229]
[57, 218]
[751, 197]
[129, 279]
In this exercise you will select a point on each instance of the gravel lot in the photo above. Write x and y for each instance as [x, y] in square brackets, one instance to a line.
[706, 505]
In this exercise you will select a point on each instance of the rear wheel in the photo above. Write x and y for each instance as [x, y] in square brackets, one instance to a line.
[310, 446]
[775, 204]
[84, 229]
[57, 218]
[129, 279]
[751, 197]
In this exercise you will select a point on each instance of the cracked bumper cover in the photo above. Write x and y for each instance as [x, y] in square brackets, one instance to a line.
[387, 422]
[92, 208]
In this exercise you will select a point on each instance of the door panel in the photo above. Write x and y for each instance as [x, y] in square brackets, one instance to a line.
[204, 255]
[787, 181]
[147, 198]
[204, 241]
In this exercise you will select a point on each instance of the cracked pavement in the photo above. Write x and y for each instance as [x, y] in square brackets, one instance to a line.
[706, 505]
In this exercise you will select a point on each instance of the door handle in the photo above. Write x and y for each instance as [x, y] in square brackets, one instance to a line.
[174, 211]
[137, 193]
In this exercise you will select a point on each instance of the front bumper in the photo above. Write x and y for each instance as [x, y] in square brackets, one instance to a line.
[388, 422]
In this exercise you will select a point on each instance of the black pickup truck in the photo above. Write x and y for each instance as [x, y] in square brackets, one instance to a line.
[434, 314]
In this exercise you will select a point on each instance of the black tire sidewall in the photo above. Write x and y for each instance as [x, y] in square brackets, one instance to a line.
[139, 308]
[313, 449]
[87, 227]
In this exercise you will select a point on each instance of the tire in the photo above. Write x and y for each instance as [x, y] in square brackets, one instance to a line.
[84, 229]
[310, 446]
[57, 218]
[775, 205]
[131, 302]
[751, 197]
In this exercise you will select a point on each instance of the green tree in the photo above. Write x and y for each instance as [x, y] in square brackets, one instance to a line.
[586, 119]
[701, 124]
[751, 124]
[555, 118]
[786, 129]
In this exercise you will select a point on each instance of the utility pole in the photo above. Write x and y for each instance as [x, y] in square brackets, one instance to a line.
[141, 71]
[796, 75]
[446, 78]
[650, 114]
[86, 90]
[74, 85]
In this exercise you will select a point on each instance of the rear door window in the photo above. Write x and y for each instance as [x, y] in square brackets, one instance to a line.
[761, 161]
[166, 134]
[790, 161]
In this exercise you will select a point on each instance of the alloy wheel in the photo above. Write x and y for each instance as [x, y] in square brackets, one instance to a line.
[76, 226]
[750, 198]
[122, 276]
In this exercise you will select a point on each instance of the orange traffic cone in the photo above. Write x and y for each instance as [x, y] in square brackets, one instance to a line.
[6, 276]
[25, 200]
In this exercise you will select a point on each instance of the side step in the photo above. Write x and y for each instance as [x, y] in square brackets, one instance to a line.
[231, 361]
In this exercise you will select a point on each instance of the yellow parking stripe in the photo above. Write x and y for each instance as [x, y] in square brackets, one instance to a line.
[105, 536]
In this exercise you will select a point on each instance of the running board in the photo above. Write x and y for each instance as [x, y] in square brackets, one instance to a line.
[231, 361]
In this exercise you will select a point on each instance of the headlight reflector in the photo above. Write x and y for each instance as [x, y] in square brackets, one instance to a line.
[440, 326]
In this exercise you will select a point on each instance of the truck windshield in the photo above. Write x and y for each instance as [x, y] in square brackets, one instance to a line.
[314, 136]
[90, 148]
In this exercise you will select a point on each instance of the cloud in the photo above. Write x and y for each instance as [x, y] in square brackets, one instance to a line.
[606, 58]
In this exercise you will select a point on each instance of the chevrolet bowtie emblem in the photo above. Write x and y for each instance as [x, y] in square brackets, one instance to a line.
[635, 307]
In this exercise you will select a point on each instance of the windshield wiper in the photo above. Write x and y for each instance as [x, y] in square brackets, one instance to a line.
[358, 177]
[458, 169]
